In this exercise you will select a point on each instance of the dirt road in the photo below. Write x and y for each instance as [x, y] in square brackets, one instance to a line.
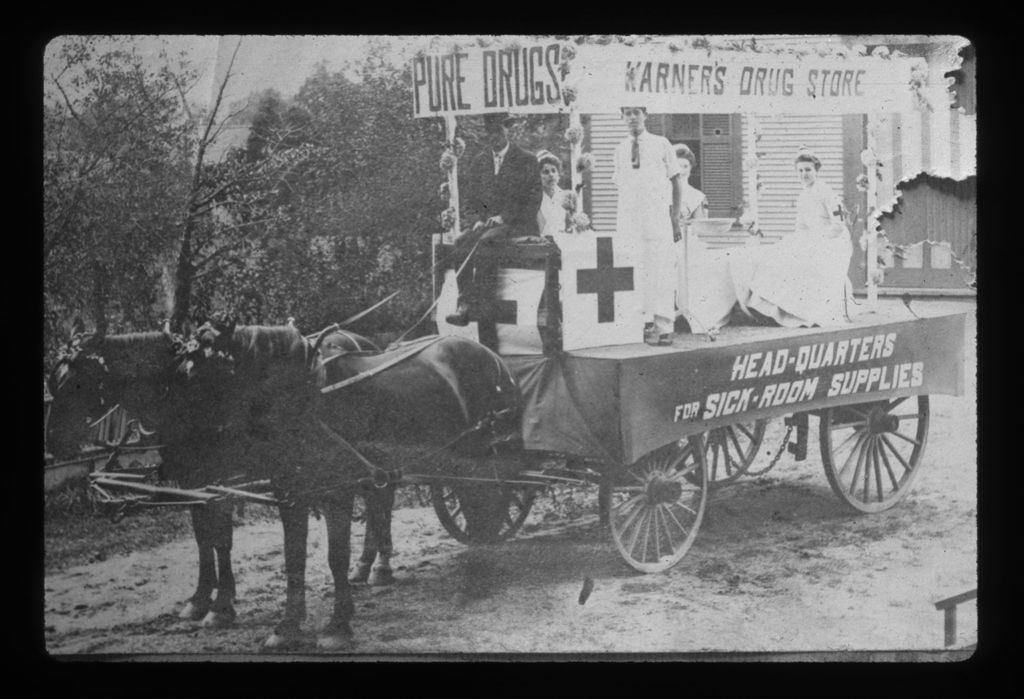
[779, 565]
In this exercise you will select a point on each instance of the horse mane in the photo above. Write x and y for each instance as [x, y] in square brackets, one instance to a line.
[261, 344]
[135, 355]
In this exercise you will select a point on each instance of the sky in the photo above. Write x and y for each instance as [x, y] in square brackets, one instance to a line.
[279, 62]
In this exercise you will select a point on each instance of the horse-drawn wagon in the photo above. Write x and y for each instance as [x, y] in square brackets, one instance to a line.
[656, 429]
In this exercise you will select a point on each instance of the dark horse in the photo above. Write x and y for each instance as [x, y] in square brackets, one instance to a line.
[250, 403]
[140, 371]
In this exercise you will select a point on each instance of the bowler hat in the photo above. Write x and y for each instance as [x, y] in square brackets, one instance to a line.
[495, 120]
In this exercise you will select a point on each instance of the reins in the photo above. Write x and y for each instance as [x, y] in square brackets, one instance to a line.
[362, 376]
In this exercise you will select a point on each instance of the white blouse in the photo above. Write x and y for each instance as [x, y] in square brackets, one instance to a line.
[551, 215]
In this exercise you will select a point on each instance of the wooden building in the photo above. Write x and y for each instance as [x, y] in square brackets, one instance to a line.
[933, 226]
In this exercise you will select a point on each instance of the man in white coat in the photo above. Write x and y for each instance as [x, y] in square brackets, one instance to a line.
[647, 175]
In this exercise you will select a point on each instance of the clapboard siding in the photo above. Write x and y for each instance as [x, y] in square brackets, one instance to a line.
[781, 138]
[606, 132]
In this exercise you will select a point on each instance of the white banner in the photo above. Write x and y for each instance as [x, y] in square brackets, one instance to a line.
[523, 79]
[528, 79]
[725, 82]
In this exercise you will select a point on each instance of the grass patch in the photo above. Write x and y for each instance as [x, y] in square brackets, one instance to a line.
[75, 536]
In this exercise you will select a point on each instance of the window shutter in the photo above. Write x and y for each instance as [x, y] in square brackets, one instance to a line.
[720, 166]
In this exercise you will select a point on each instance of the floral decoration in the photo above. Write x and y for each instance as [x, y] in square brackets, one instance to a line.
[579, 222]
[585, 162]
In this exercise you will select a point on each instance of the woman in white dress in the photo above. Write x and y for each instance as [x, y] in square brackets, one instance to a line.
[801, 280]
[705, 293]
[551, 216]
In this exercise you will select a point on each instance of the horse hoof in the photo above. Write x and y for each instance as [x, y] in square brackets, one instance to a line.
[337, 642]
[381, 576]
[360, 574]
[219, 620]
[277, 641]
[194, 611]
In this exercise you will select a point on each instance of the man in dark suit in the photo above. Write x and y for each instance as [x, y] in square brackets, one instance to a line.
[502, 195]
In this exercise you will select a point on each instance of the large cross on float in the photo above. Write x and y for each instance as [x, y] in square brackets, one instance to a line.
[604, 280]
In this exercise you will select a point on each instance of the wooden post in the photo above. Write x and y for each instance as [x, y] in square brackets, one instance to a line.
[575, 150]
[453, 183]
[750, 136]
[871, 221]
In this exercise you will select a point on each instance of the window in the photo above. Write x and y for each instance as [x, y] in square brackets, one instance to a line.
[715, 140]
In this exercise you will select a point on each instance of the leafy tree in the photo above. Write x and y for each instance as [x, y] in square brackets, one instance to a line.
[113, 167]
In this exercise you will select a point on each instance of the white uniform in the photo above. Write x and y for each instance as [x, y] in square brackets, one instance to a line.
[644, 217]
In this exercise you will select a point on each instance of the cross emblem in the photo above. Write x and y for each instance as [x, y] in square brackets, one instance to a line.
[604, 281]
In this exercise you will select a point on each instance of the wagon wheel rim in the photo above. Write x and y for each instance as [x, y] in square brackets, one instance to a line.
[655, 510]
[872, 452]
[730, 450]
[513, 504]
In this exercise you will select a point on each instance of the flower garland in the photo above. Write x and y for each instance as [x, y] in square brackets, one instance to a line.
[453, 150]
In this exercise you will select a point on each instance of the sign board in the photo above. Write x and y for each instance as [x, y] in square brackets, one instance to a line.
[730, 82]
[524, 79]
[528, 79]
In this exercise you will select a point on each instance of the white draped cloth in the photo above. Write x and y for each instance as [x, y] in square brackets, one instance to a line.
[799, 281]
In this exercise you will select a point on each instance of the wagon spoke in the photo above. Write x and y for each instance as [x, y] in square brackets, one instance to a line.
[657, 532]
[846, 441]
[668, 532]
[905, 438]
[668, 509]
[909, 416]
[744, 430]
[637, 478]
[859, 451]
[687, 508]
[878, 470]
[731, 433]
[894, 403]
[727, 460]
[869, 454]
[888, 468]
[846, 464]
[631, 507]
[714, 463]
[680, 474]
[642, 526]
[896, 453]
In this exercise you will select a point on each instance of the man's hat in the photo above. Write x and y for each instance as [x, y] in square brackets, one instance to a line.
[495, 120]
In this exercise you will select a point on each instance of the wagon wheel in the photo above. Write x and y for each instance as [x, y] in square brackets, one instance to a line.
[655, 509]
[481, 513]
[730, 450]
[872, 451]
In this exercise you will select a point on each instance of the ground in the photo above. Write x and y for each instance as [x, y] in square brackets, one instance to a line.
[778, 565]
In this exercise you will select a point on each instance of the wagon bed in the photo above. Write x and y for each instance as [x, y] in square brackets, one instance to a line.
[621, 402]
